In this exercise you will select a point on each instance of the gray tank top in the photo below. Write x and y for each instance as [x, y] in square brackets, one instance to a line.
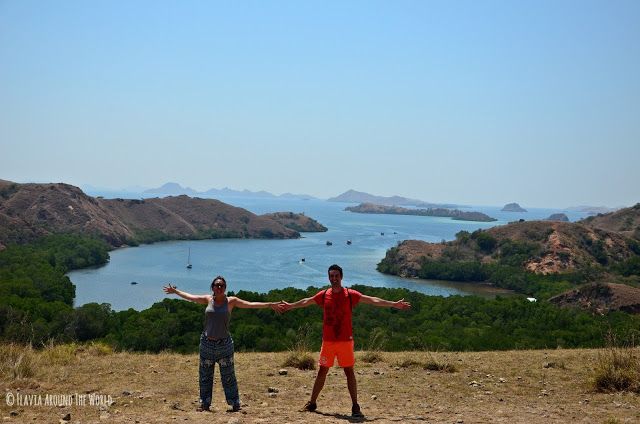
[217, 320]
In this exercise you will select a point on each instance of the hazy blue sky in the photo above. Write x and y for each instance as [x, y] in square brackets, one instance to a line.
[476, 102]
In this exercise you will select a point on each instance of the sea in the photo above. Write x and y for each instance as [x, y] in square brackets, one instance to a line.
[134, 276]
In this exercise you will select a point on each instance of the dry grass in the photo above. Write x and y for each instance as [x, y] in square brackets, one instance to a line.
[488, 387]
[17, 361]
[618, 369]
[300, 356]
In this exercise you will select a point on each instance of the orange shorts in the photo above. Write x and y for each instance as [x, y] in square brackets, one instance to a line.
[343, 350]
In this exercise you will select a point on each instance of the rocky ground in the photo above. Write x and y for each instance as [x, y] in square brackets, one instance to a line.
[486, 387]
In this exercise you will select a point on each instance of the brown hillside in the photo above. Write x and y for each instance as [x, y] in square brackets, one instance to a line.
[625, 221]
[559, 246]
[601, 298]
[28, 211]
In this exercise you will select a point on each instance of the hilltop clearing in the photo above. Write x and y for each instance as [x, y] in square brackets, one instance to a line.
[551, 386]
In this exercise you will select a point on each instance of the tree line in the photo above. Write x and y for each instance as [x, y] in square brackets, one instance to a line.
[36, 301]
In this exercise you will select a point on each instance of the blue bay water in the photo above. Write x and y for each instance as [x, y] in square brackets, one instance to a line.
[263, 265]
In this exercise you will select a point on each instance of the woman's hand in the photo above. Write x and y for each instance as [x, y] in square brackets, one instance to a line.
[169, 289]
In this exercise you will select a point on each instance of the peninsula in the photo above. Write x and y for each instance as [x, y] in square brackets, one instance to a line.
[29, 211]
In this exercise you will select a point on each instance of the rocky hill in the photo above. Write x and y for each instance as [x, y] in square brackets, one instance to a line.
[545, 247]
[601, 298]
[296, 222]
[440, 212]
[28, 211]
[558, 217]
[625, 221]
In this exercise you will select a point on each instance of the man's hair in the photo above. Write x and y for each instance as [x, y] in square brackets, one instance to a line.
[221, 278]
[335, 267]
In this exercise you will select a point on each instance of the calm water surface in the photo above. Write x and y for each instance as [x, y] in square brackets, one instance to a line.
[262, 265]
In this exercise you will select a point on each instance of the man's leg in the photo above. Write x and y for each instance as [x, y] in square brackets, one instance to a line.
[351, 384]
[319, 383]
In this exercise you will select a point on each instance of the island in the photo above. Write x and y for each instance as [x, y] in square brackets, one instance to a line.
[513, 207]
[297, 222]
[558, 217]
[440, 212]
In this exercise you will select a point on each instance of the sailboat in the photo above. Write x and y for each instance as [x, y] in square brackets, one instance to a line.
[189, 266]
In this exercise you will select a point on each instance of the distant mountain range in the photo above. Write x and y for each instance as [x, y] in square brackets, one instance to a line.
[352, 196]
[175, 189]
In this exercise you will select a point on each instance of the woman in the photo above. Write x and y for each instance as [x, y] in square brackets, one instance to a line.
[216, 344]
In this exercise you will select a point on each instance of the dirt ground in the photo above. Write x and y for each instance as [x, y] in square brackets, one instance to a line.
[487, 387]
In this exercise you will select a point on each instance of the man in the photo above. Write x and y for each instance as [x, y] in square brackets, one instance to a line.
[337, 332]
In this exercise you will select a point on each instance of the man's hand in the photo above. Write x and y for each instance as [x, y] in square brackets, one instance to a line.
[169, 289]
[402, 304]
[277, 307]
[284, 306]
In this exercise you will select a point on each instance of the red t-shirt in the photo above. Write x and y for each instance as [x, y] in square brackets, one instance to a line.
[336, 321]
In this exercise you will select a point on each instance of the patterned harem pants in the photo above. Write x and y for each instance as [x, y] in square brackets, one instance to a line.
[220, 351]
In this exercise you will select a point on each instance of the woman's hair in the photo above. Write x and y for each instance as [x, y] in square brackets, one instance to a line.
[219, 277]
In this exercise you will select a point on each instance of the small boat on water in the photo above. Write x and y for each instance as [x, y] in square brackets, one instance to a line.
[302, 260]
[348, 241]
[133, 283]
[381, 234]
[329, 243]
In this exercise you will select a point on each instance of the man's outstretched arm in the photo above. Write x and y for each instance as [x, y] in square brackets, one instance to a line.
[376, 301]
[302, 303]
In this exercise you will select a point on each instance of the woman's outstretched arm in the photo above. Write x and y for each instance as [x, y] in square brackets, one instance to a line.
[241, 303]
[204, 298]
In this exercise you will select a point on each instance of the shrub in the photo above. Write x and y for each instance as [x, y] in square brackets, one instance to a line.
[17, 361]
[300, 353]
[618, 368]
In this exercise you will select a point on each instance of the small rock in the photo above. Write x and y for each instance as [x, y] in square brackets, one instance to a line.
[474, 384]
[376, 372]
[270, 374]
[126, 393]
[459, 421]
[502, 380]
[272, 390]
[67, 417]
[272, 395]
[397, 368]
[264, 404]
[14, 413]
[519, 378]
[374, 397]
[283, 372]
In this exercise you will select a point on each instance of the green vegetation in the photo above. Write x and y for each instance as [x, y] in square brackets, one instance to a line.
[36, 298]
[36, 306]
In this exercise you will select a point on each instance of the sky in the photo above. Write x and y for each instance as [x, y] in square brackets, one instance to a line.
[474, 102]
